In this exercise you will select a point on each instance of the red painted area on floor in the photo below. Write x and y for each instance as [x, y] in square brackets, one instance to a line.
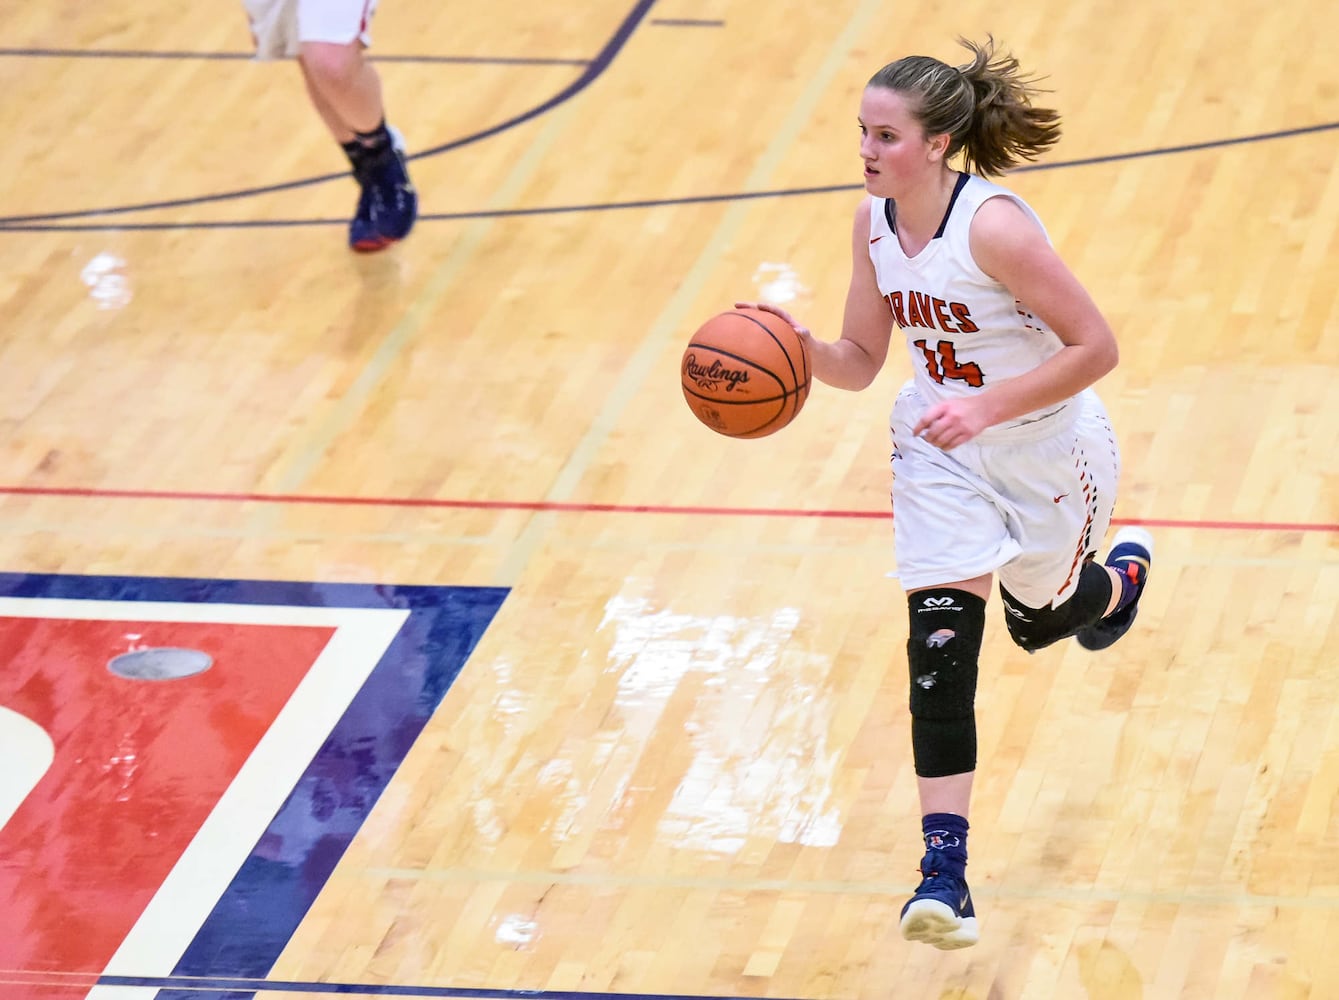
[138, 767]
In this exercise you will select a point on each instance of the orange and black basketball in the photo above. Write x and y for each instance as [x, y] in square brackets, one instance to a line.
[745, 373]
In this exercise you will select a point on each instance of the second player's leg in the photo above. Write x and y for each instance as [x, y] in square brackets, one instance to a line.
[344, 88]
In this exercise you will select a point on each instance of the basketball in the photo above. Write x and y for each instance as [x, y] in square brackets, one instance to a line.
[745, 373]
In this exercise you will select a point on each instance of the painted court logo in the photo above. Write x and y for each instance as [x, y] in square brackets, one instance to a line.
[194, 799]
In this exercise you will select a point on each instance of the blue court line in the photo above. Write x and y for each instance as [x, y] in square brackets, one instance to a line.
[212, 987]
[498, 213]
[686, 22]
[35, 53]
[1190, 147]
[20, 224]
[588, 76]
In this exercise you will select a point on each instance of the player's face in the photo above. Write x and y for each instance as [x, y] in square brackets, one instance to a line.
[897, 153]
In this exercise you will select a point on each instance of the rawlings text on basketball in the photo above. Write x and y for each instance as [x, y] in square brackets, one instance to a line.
[713, 375]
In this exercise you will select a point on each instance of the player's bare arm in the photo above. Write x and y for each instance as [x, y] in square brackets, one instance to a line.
[1010, 248]
[855, 358]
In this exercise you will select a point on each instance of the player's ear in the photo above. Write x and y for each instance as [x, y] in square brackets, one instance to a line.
[938, 147]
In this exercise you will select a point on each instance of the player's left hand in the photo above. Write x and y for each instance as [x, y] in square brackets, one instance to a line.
[951, 423]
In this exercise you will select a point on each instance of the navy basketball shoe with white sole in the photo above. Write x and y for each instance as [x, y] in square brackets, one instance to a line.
[940, 913]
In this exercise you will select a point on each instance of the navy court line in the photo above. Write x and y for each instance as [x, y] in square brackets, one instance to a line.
[35, 53]
[1190, 147]
[40, 223]
[211, 987]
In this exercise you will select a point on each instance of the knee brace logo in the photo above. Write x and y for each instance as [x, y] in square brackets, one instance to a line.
[926, 681]
[1015, 612]
[938, 604]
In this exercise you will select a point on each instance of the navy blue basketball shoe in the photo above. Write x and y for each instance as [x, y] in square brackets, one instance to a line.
[1131, 554]
[387, 203]
[940, 913]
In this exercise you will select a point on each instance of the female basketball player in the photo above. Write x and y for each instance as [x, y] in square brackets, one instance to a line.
[1003, 459]
[328, 37]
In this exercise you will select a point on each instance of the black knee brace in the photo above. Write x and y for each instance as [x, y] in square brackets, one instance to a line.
[1036, 628]
[942, 652]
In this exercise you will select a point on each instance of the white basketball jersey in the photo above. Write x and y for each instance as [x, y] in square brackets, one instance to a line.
[964, 329]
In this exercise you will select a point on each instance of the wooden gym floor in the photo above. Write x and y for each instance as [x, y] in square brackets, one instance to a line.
[671, 757]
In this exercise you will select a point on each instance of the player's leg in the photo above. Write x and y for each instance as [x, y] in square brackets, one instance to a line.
[345, 89]
[946, 624]
[950, 536]
[1064, 492]
[347, 98]
[1034, 628]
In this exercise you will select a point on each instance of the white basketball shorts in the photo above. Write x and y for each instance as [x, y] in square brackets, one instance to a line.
[279, 26]
[1030, 505]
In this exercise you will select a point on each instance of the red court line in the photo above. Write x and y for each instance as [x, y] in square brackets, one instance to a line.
[584, 508]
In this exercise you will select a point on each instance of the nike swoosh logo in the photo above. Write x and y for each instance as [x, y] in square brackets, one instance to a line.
[875, 240]
[1060, 497]
[962, 905]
